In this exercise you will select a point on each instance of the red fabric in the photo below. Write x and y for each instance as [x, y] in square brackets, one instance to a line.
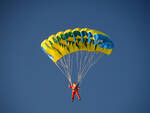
[75, 91]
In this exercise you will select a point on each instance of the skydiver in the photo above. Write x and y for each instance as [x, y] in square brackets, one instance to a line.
[75, 89]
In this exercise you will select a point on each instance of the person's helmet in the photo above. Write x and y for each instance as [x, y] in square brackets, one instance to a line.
[74, 82]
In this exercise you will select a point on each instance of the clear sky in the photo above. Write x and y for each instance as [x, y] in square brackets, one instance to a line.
[31, 83]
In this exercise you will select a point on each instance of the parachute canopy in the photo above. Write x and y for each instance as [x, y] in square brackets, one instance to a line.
[69, 41]
[78, 49]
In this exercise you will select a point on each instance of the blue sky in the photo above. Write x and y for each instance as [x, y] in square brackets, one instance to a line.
[31, 83]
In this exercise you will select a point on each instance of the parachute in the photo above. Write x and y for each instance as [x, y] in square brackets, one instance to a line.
[75, 51]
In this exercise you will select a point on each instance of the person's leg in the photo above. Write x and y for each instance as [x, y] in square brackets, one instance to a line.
[78, 95]
[73, 93]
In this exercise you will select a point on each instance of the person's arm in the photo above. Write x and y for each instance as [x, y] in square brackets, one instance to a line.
[70, 85]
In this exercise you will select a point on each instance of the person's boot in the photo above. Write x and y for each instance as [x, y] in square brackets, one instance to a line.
[72, 99]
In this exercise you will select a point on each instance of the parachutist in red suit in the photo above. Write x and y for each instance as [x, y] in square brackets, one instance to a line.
[75, 89]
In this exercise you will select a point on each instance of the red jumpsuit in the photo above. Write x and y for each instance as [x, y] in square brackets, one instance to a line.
[75, 91]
